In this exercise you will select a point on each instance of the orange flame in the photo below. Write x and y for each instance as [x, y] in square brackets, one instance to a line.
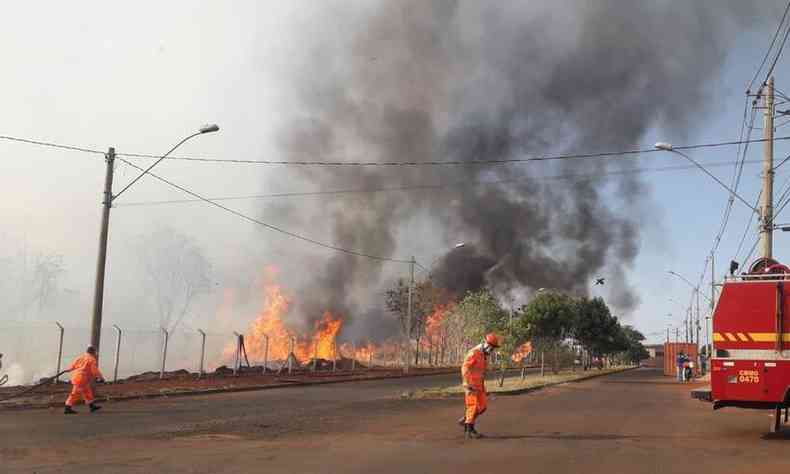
[521, 352]
[270, 337]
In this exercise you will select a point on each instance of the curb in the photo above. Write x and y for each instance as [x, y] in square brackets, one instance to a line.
[521, 391]
[211, 391]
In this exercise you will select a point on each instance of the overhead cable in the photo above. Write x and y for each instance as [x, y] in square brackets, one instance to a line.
[265, 224]
[572, 176]
[571, 156]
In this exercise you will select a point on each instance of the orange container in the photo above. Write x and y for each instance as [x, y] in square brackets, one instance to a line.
[671, 350]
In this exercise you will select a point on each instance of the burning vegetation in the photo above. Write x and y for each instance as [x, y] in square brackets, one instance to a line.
[270, 337]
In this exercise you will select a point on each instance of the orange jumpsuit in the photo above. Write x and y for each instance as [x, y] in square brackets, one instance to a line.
[83, 370]
[473, 372]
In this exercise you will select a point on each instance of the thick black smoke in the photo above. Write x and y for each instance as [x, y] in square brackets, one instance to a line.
[453, 80]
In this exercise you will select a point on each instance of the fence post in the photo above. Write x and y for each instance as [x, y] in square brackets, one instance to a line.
[353, 356]
[370, 360]
[164, 353]
[291, 355]
[315, 357]
[202, 352]
[334, 355]
[542, 365]
[117, 354]
[237, 360]
[265, 353]
[60, 354]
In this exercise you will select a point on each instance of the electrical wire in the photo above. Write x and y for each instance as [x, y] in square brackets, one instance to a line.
[779, 52]
[401, 163]
[751, 252]
[738, 172]
[575, 177]
[746, 230]
[264, 224]
[612, 154]
[51, 145]
[771, 47]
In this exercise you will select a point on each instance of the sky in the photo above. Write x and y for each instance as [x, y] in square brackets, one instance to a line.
[140, 77]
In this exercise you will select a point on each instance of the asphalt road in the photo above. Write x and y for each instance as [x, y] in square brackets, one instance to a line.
[635, 422]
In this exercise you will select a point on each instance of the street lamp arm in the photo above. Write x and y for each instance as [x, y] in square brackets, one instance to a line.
[154, 164]
[692, 285]
[668, 147]
[205, 129]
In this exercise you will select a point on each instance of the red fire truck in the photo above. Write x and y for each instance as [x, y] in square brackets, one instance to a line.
[750, 367]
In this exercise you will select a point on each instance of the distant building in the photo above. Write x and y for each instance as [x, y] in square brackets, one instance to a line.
[656, 359]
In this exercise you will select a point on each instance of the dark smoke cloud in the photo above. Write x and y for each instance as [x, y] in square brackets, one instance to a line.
[454, 80]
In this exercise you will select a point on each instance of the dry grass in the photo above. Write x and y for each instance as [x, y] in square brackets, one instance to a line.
[511, 384]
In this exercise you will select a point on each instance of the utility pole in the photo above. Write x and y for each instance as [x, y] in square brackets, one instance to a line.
[767, 204]
[98, 294]
[709, 320]
[698, 325]
[409, 313]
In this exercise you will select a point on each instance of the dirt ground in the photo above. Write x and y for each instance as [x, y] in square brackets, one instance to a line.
[633, 422]
[183, 382]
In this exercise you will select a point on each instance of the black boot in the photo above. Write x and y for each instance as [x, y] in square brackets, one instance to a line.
[94, 407]
[472, 433]
[69, 411]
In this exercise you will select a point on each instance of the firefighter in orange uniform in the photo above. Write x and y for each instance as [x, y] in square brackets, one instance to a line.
[84, 370]
[473, 372]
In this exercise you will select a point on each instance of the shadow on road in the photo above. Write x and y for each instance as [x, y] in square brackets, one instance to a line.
[783, 435]
[567, 437]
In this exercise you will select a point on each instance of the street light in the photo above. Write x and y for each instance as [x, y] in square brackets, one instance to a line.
[668, 147]
[109, 198]
[204, 129]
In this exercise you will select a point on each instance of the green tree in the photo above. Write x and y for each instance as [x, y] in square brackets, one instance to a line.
[635, 351]
[547, 321]
[593, 326]
[481, 313]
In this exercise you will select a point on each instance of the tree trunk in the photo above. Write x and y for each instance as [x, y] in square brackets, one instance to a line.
[556, 365]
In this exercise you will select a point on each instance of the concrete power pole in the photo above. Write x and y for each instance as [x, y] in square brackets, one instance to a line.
[98, 294]
[767, 200]
[409, 314]
[698, 323]
[709, 320]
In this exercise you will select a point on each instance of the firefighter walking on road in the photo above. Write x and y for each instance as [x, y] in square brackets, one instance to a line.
[473, 373]
[84, 371]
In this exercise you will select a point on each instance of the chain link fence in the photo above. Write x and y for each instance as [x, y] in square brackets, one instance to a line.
[36, 350]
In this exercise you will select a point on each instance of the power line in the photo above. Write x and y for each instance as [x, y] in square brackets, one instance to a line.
[49, 144]
[455, 162]
[267, 225]
[779, 52]
[737, 173]
[748, 226]
[402, 163]
[435, 186]
[771, 47]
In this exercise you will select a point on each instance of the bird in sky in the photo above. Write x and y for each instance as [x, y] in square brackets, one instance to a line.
[600, 281]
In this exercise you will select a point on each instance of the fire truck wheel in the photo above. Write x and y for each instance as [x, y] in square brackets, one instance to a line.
[776, 421]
